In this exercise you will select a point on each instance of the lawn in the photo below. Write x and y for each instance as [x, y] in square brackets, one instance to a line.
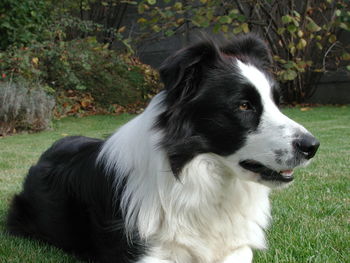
[311, 219]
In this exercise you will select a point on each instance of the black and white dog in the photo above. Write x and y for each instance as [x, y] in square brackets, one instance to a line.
[187, 181]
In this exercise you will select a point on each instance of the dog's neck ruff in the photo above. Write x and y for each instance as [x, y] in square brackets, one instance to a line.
[207, 211]
[132, 155]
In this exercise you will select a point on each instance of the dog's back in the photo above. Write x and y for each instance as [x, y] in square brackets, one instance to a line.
[67, 201]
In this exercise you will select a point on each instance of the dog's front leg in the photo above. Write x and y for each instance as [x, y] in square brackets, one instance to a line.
[153, 260]
[240, 255]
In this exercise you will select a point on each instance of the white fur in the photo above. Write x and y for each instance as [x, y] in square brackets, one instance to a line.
[241, 255]
[216, 212]
[134, 155]
[275, 132]
[209, 213]
[202, 218]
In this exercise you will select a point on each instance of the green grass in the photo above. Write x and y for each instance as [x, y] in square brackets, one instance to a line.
[311, 219]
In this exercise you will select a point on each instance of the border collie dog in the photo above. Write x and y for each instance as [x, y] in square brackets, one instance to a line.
[186, 181]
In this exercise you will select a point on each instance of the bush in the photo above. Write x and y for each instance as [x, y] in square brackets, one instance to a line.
[52, 47]
[24, 108]
[81, 68]
[22, 21]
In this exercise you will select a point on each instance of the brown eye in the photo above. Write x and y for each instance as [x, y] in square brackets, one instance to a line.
[245, 106]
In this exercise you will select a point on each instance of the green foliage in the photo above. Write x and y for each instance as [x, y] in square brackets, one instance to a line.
[79, 67]
[22, 21]
[304, 37]
[56, 47]
[99, 18]
[25, 21]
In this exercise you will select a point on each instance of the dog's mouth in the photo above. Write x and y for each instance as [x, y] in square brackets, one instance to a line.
[267, 173]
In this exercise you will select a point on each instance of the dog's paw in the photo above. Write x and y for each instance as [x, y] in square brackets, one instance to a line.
[240, 255]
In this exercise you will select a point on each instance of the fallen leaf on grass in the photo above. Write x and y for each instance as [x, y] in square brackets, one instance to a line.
[305, 109]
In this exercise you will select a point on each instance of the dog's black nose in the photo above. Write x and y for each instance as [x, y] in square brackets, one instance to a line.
[306, 145]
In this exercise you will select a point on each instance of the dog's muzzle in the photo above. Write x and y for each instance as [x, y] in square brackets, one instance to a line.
[305, 146]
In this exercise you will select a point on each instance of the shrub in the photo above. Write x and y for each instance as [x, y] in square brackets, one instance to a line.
[22, 21]
[24, 108]
[82, 67]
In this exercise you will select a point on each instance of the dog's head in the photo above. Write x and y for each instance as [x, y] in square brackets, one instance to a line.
[222, 99]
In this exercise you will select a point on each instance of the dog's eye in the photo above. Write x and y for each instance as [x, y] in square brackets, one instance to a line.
[244, 106]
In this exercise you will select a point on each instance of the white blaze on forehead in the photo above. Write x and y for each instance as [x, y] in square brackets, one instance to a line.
[271, 116]
[257, 78]
[262, 84]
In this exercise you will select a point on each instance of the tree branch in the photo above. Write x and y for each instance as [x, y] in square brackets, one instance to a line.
[304, 12]
[267, 34]
[326, 54]
[275, 28]
[240, 7]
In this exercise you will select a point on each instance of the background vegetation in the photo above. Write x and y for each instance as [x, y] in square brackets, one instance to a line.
[305, 37]
[310, 218]
[81, 52]
[50, 48]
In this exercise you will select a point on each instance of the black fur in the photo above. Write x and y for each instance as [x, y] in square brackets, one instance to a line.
[203, 94]
[69, 202]
[249, 48]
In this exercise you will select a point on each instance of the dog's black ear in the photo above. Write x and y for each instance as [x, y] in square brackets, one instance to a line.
[183, 72]
[251, 46]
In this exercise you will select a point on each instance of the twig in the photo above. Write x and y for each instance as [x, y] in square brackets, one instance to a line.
[275, 27]
[325, 55]
[305, 8]
[267, 34]
[302, 22]
[240, 7]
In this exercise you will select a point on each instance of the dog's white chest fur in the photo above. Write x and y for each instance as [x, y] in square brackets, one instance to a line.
[209, 215]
